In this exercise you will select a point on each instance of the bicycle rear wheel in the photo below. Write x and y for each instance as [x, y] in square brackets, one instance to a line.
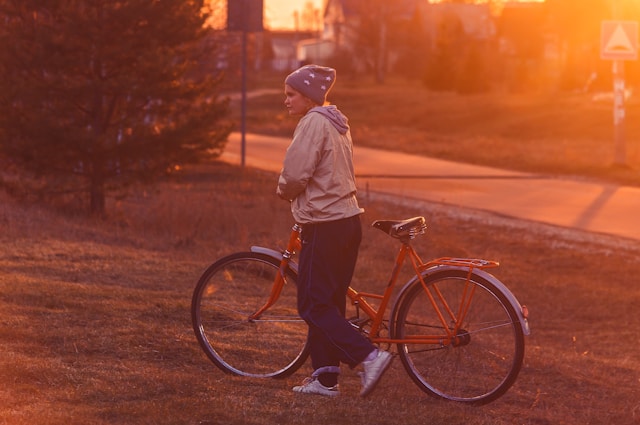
[487, 355]
[229, 291]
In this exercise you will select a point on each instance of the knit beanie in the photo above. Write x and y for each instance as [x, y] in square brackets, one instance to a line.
[313, 81]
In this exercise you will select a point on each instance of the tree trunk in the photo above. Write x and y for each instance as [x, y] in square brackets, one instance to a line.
[97, 206]
[381, 60]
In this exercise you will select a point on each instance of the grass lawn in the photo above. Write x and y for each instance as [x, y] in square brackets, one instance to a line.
[95, 325]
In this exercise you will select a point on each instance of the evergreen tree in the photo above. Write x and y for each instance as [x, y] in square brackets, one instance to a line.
[473, 76]
[98, 94]
[444, 64]
[578, 35]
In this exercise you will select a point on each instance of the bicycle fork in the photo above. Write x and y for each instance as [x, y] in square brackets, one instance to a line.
[292, 246]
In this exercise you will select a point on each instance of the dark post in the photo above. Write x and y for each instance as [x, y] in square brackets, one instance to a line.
[245, 16]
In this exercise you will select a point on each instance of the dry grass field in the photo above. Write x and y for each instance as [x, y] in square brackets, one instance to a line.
[94, 314]
[95, 325]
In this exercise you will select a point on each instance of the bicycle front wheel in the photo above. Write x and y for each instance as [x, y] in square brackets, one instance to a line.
[482, 361]
[227, 294]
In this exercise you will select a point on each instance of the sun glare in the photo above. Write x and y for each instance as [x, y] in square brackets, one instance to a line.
[291, 14]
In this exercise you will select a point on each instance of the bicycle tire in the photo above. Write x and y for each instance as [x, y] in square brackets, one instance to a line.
[484, 363]
[229, 291]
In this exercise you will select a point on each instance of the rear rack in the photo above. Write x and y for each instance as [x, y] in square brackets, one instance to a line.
[471, 263]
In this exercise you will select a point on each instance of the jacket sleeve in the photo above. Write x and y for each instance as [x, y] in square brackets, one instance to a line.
[301, 158]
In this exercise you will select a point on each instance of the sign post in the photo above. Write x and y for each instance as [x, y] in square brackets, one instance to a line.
[619, 42]
[245, 16]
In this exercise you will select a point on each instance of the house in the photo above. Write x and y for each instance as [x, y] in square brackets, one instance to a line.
[379, 30]
[285, 45]
[346, 23]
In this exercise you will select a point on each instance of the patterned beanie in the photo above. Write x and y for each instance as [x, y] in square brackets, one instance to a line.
[313, 81]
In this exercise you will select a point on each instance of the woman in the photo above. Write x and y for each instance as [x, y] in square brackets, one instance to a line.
[318, 179]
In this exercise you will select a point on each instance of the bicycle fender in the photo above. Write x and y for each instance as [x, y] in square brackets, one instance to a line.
[277, 255]
[267, 251]
[524, 323]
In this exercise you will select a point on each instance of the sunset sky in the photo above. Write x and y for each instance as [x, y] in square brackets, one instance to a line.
[279, 13]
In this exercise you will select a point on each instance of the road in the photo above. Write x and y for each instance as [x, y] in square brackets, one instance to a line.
[590, 206]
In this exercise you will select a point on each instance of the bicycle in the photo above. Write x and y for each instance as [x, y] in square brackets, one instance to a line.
[458, 330]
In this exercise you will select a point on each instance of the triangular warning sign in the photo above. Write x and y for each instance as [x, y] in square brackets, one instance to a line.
[619, 42]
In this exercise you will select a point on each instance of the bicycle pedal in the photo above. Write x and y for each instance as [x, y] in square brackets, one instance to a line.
[358, 321]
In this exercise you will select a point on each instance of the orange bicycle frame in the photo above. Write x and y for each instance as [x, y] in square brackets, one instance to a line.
[435, 297]
[359, 299]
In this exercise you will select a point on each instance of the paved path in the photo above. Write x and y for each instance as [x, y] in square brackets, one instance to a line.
[595, 207]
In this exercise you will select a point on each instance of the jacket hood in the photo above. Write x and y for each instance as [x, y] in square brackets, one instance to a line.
[335, 117]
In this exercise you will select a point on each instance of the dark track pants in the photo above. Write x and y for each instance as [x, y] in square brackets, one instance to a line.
[326, 264]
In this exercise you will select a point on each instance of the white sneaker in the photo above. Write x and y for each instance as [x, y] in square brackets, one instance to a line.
[313, 386]
[373, 370]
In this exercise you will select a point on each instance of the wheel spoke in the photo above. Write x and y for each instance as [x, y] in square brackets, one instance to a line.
[226, 296]
[483, 359]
